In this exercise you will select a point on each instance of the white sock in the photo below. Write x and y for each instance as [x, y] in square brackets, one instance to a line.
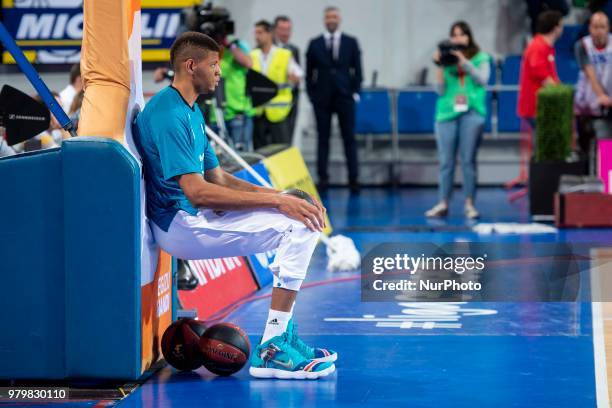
[276, 324]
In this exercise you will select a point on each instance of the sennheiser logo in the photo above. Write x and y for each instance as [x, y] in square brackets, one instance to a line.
[14, 116]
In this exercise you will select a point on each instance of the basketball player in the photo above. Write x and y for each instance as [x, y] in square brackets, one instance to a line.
[199, 211]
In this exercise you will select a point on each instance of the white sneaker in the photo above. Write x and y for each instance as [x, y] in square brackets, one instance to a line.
[471, 212]
[439, 210]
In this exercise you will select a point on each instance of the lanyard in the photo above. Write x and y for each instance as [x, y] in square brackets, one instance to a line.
[461, 74]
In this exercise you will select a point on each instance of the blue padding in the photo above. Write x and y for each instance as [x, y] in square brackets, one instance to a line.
[507, 119]
[31, 266]
[70, 270]
[373, 112]
[568, 70]
[564, 47]
[259, 262]
[511, 70]
[416, 111]
[102, 235]
[259, 169]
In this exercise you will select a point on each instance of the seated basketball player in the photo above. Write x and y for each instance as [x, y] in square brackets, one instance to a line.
[199, 211]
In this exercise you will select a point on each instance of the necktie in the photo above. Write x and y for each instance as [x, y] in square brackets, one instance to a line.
[330, 48]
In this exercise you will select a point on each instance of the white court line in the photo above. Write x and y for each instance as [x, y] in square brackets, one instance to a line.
[599, 345]
[599, 352]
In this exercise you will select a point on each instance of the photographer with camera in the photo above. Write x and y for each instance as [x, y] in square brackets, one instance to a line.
[235, 62]
[463, 72]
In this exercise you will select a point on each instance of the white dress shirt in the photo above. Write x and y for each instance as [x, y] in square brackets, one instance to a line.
[335, 37]
[293, 68]
[66, 97]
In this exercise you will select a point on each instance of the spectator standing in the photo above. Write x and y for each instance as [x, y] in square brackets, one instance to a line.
[538, 65]
[5, 149]
[283, 28]
[271, 124]
[74, 87]
[333, 82]
[592, 100]
[460, 117]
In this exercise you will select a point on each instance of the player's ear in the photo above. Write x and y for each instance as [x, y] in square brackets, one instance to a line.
[190, 65]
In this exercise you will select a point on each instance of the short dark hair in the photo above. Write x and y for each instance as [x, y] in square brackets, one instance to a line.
[265, 24]
[191, 44]
[331, 8]
[75, 72]
[282, 18]
[548, 20]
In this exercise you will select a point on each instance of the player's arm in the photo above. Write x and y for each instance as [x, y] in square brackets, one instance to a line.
[203, 194]
[220, 177]
[241, 56]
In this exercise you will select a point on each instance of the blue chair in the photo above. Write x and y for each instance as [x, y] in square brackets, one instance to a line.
[507, 119]
[511, 70]
[373, 112]
[489, 105]
[493, 76]
[416, 111]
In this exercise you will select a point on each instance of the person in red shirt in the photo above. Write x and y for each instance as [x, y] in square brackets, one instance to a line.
[538, 66]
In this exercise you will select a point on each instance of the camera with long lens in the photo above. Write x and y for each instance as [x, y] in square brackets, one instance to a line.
[446, 58]
[215, 22]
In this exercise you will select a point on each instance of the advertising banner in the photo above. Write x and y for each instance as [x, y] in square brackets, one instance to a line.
[221, 282]
[50, 31]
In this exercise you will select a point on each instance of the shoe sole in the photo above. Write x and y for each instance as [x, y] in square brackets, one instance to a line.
[327, 359]
[262, 372]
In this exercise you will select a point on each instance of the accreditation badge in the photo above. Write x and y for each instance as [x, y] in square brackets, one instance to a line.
[461, 104]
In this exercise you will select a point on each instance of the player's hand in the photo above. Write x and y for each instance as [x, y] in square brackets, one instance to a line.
[436, 57]
[604, 101]
[321, 208]
[301, 210]
[294, 79]
[460, 56]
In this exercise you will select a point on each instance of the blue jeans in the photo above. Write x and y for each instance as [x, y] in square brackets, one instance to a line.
[240, 132]
[462, 134]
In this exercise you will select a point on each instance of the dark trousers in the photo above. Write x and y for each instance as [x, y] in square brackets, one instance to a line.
[291, 119]
[266, 133]
[344, 107]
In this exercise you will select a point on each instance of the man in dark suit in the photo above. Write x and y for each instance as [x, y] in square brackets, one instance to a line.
[333, 82]
[282, 35]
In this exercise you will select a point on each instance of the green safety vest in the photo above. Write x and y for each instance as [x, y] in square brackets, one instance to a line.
[475, 94]
[277, 109]
[234, 80]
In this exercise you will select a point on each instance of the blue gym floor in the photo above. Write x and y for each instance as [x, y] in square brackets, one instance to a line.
[443, 355]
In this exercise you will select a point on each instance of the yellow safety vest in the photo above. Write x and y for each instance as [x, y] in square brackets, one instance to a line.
[277, 109]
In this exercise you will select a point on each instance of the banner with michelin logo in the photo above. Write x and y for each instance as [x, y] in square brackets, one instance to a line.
[50, 31]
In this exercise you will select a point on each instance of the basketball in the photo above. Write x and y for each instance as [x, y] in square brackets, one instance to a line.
[296, 192]
[180, 344]
[225, 347]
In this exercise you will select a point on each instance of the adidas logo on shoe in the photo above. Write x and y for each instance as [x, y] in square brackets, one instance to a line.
[274, 322]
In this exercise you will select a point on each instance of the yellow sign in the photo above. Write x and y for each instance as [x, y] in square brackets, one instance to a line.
[288, 170]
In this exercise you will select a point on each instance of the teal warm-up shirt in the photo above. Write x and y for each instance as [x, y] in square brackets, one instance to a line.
[171, 139]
